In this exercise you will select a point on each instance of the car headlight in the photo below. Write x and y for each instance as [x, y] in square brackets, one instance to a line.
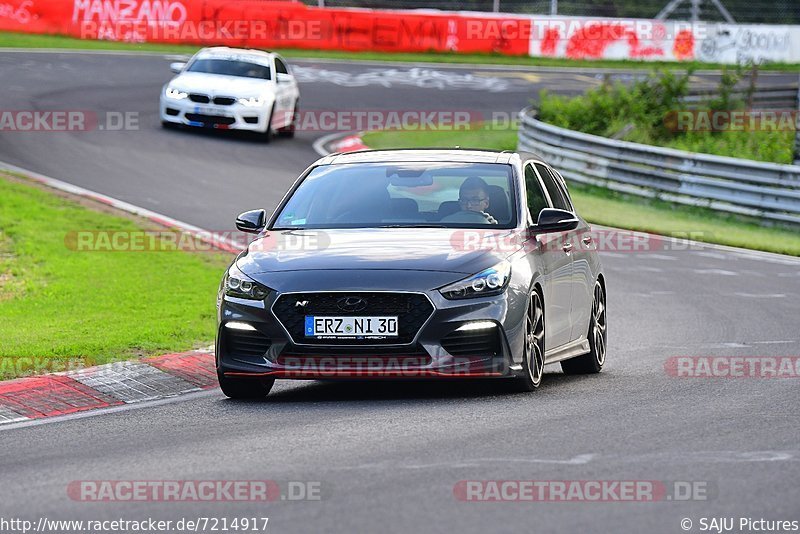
[491, 281]
[236, 284]
[252, 102]
[176, 94]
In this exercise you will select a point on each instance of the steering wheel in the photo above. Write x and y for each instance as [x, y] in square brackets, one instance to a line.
[468, 216]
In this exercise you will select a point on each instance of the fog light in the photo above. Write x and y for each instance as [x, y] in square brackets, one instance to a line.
[236, 325]
[477, 325]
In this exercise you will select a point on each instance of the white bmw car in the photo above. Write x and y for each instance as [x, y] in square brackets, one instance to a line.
[236, 89]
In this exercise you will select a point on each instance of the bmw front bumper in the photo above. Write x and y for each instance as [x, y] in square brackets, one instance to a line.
[231, 117]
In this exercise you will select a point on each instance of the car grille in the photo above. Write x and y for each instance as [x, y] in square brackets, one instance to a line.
[473, 342]
[411, 309]
[246, 344]
[210, 119]
[205, 99]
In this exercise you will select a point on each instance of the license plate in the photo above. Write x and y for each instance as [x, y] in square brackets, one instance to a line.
[335, 327]
[214, 112]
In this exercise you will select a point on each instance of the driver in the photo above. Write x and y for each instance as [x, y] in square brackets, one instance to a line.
[473, 198]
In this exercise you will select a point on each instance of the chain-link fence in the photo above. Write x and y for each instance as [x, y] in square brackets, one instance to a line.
[742, 11]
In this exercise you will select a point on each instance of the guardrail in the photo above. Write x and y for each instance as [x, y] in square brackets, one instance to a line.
[768, 191]
[784, 97]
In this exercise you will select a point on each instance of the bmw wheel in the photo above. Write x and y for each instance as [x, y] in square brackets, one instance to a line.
[266, 136]
[288, 131]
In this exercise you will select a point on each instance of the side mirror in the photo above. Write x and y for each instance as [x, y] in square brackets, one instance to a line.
[177, 68]
[555, 220]
[283, 78]
[251, 221]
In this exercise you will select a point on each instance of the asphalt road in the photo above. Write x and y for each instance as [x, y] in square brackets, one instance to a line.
[388, 455]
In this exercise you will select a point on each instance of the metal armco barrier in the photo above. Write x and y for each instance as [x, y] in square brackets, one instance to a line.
[768, 191]
[782, 97]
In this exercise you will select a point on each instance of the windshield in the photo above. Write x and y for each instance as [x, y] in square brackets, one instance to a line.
[229, 67]
[374, 195]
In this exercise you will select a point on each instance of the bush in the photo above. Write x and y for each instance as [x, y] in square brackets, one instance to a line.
[639, 113]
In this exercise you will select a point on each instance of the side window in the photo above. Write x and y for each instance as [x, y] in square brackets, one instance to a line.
[280, 67]
[537, 200]
[563, 185]
[552, 188]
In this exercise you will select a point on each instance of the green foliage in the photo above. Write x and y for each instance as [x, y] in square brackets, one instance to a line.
[641, 112]
[59, 303]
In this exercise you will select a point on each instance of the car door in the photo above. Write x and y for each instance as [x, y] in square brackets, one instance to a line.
[556, 262]
[584, 267]
[286, 94]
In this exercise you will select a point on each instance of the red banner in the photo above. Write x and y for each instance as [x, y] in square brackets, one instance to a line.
[267, 24]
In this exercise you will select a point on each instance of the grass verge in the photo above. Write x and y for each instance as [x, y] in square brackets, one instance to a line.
[25, 40]
[608, 208]
[62, 307]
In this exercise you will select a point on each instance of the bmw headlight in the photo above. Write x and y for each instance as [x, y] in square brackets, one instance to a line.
[252, 102]
[236, 284]
[176, 94]
[491, 281]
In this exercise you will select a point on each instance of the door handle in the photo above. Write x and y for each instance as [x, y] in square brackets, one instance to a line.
[587, 240]
[567, 247]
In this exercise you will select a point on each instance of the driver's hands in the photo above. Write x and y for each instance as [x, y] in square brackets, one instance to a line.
[489, 218]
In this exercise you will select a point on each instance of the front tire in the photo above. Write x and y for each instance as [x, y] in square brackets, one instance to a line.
[592, 362]
[267, 135]
[288, 131]
[245, 388]
[533, 357]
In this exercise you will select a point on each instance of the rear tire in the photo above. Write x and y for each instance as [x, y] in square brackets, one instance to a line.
[592, 362]
[245, 388]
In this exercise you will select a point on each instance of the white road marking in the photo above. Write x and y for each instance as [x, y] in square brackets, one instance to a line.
[720, 272]
[422, 78]
[662, 257]
[580, 459]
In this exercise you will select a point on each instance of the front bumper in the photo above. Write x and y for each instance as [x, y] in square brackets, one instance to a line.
[439, 348]
[233, 117]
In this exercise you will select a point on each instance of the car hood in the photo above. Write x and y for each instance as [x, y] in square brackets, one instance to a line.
[418, 249]
[216, 84]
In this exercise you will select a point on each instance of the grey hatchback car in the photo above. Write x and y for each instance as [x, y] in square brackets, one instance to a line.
[413, 264]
